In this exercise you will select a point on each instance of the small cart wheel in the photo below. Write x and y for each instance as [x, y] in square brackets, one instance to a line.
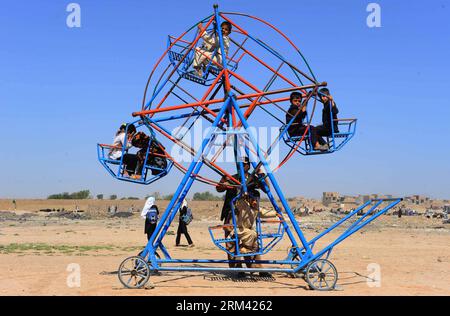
[321, 275]
[134, 272]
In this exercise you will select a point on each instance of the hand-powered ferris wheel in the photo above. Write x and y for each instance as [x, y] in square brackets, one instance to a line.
[193, 83]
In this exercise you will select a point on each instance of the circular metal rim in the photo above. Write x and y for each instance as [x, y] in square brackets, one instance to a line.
[143, 280]
[211, 17]
[266, 23]
[310, 281]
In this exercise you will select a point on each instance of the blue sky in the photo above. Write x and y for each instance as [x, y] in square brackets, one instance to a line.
[63, 89]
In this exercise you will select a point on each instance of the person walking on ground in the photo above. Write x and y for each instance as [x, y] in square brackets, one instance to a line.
[182, 225]
[150, 213]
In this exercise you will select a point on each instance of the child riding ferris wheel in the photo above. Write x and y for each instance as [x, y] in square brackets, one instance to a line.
[203, 77]
[174, 91]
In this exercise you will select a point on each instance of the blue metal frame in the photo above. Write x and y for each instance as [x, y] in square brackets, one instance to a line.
[177, 53]
[262, 249]
[336, 140]
[301, 252]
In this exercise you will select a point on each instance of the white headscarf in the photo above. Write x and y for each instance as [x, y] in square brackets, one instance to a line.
[148, 204]
[184, 203]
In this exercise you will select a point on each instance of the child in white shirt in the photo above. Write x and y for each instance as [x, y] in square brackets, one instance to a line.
[210, 42]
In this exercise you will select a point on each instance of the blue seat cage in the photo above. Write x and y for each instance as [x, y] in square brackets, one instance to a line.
[307, 148]
[234, 237]
[185, 69]
[145, 178]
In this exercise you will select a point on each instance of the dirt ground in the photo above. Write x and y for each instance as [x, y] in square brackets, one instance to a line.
[37, 253]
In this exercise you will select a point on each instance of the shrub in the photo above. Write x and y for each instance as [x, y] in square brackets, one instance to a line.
[206, 196]
[80, 195]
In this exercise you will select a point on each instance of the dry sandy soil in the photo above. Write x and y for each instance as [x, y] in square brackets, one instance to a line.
[36, 250]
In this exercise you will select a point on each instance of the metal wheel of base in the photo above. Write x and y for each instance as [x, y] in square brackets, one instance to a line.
[134, 272]
[321, 275]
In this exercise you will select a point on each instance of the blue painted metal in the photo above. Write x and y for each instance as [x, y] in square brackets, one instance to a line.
[292, 260]
[340, 222]
[354, 228]
[276, 237]
[274, 183]
[182, 190]
[304, 254]
[179, 52]
[301, 252]
[298, 258]
[337, 140]
[263, 249]
[146, 178]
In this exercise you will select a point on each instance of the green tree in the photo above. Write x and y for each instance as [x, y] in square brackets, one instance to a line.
[206, 196]
[167, 197]
[100, 196]
[81, 195]
[113, 197]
